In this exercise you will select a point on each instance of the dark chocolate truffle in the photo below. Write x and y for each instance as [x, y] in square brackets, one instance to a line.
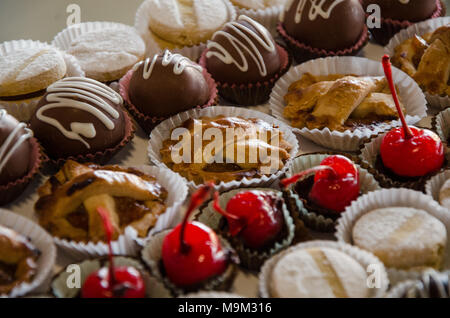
[78, 116]
[15, 149]
[167, 84]
[243, 52]
[405, 10]
[329, 24]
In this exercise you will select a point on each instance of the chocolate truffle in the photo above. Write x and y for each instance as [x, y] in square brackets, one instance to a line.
[409, 10]
[329, 24]
[78, 116]
[243, 52]
[167, 84]
[15, 148]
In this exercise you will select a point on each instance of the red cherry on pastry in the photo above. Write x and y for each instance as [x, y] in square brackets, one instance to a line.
[256, 216]
[336, 183]
[409, 151]
[113, 282]
[192, 253]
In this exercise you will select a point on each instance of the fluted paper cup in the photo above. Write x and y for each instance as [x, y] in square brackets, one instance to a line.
[430, 286]
[164, 129]
[362, 257]
[349, 140]
[41, 240]
[24, 109]
[392, 198]
[434, 185]
[313, 219]
[441, 125]
[128, 244]
[141, 23]
[421, 28]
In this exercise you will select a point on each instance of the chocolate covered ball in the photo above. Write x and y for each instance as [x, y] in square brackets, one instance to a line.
[330, 24]
[168, 84]
[243, 52]
[409, 10]
[15, 149]
[78, 116]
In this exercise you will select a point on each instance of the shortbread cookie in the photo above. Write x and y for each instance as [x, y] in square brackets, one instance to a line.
[186, 22]
[106, 55]
[444, 195]
[27, 71]
[257, 4]
[403, 238]
[318, 273]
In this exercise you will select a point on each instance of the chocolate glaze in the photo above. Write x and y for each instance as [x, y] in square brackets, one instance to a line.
[413, 11]
[341, 30]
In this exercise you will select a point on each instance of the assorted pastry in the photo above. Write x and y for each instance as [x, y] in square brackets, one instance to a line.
[339, 102]
[257, 4]
[402, 237]
[68, 201]
[192, 256]
[427, 60]
[339, 28]
[245, 60]
[253, 139]
[18, 260]
[81, 118]
[400, 14]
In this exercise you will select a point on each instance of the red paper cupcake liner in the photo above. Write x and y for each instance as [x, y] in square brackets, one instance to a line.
[390, 27]
[146, 122]
[253, 93]
[303, 52]
[12, 190]
[100, 157]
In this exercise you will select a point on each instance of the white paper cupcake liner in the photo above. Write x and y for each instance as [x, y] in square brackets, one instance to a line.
[421, 29]
[61, 289]
[41, 240]
[212, 218]
[400, 290]
[362, 257]
[442, 124]
[315, 220]
[151, 255]
[268, 17]
[152, 47]
[64, 38]
[129, 243]
[163, 131]
[393, 198]
[24, 109]
[410, 94]
[434, 185]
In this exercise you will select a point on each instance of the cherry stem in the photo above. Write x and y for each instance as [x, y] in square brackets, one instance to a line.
[219, 209]
[388, 72]
[197, 199]
[305, 174]
[109, 232]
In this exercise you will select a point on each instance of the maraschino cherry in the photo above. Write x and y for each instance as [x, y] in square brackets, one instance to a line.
[409, 151]
[255, 216]
[192, 253]
[113, 282]
[336, 183]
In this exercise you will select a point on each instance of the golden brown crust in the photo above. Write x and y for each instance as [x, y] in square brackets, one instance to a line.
[68, 201]
[17, 260]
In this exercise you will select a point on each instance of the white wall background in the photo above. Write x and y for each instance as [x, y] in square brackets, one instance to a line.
[43, 19]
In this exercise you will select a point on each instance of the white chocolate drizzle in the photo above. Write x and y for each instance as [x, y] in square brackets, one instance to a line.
[315, 10]
[247, 43]
[180, 64]
[7, 149]
[93, 95]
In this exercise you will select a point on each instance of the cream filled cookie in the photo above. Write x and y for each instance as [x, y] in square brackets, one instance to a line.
[318, 272]
[107, 54]
[402, 238]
